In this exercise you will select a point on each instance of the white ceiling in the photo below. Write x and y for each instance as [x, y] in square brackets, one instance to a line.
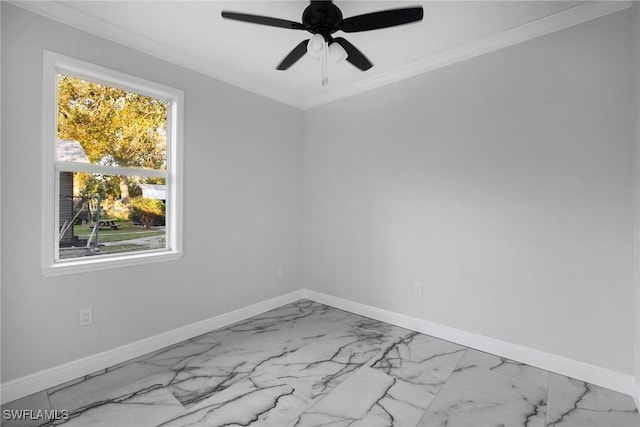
[194, 35]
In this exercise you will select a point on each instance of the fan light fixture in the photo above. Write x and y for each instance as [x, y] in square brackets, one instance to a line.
[315, 47]
[322, 19]
[320, 49]
[337, 53]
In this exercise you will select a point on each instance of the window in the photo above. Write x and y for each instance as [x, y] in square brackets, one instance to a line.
[112, 168]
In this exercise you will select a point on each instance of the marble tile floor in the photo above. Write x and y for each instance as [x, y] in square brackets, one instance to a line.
[308, 364]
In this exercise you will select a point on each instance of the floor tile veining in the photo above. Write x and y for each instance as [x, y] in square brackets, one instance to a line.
[308, 364]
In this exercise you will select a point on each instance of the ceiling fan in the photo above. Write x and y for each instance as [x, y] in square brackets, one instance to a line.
[322, 19]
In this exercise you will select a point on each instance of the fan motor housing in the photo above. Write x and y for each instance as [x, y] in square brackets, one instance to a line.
[322, 17]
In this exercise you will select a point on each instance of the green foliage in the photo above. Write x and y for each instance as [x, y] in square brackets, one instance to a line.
[92, 184]
[148, 210]
[115, 127]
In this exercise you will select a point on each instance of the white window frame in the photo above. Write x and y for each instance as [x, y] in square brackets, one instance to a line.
[55, 63]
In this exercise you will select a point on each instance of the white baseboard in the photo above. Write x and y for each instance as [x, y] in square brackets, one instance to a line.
[57, 375]
[45, 379]
[603, 377]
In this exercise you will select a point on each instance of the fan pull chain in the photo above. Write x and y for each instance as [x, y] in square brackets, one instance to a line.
[324, 59]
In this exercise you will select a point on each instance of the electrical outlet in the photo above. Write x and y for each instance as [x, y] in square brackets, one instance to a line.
[86, 316]
[417, 289]
[279, 271]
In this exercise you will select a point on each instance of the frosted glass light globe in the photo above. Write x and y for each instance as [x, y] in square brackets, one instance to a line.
[316, 45]
[337, 53]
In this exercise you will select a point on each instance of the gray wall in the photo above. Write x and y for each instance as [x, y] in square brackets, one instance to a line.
[242, 212]
[502, 183]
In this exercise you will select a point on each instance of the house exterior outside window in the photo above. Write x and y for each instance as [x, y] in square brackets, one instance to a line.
[98, 182]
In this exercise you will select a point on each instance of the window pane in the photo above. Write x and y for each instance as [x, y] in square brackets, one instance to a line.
[110, 126]
[110, 214]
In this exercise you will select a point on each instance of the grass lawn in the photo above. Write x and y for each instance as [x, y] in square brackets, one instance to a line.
[126, 231]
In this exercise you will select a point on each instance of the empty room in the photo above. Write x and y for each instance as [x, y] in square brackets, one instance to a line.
[295, 213]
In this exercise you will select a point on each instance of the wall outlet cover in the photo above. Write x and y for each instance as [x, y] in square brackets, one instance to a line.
[86, 316]
[417, 289]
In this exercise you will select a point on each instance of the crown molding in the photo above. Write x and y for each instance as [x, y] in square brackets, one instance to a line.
[540, 27]
[95, 25]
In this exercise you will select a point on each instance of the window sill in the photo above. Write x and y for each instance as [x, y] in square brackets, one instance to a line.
[108, 263]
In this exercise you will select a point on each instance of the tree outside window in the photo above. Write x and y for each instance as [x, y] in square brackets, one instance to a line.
[112, 176]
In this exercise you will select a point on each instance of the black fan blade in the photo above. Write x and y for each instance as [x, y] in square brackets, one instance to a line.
[297, 53]
[355, 57]
[383, 19]
[263, 20]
